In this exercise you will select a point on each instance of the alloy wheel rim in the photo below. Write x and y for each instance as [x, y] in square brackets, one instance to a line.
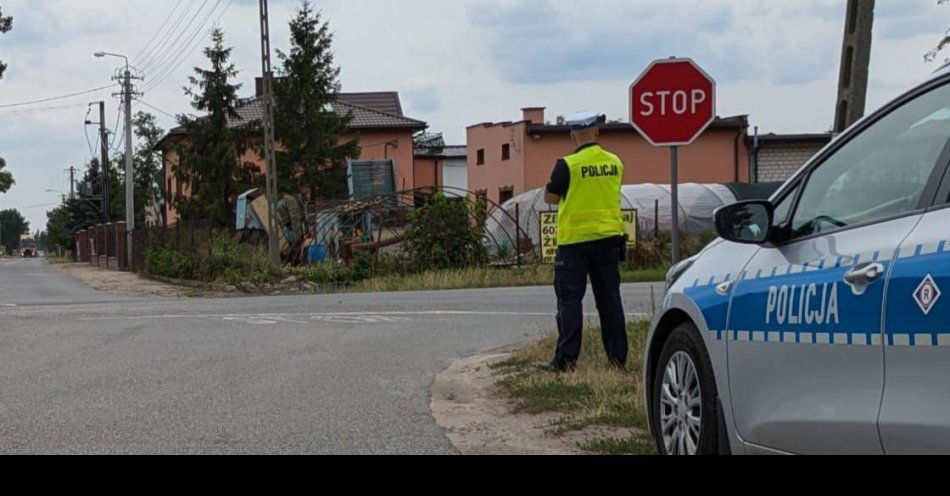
[681, 409]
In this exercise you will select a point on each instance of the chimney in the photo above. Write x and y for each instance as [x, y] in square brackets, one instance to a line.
[533, 115]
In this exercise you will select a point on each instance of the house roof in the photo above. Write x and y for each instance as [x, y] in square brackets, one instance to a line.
[822, 138]
[383, 101]
[443, 152]
[252, 110]
[388, 114]
[734, 122]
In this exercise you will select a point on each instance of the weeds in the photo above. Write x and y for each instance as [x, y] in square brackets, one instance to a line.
[594, 395]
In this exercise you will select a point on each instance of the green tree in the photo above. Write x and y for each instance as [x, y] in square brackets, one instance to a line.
[6, 24]
[148, 165]
[208, 165]
[12, 225]
[6, 179]
[944, 42]
[84, 211]
[446, 234]
[59, 227]
[306, 125]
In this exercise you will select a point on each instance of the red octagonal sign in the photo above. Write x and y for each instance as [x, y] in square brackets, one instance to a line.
[672, 102]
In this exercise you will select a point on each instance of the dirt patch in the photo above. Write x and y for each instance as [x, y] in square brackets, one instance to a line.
[466, 403]
[113, 281]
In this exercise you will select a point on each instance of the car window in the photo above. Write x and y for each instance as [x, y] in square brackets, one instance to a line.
[880, 173]
[783, 208]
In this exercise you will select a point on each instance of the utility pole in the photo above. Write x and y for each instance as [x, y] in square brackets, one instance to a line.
[72, 182]
[269, 159]
[104, 150]
[129, 166]
[855, 64]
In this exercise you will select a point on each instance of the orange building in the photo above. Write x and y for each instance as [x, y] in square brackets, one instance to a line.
[509, 158]
[383, 131]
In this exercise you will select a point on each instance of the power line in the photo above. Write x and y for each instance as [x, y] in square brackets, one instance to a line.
[161, 47]
[63, 97]
[138, 57]
[85, 130]
[164, 58]
[37, 110]
[115, 130]
[157, 109]
[195, 42]
[170, 64]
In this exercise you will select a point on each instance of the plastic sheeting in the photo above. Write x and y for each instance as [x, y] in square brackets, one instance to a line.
[653, 202]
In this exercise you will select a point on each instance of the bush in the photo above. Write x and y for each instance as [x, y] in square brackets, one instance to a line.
[335, 274]
[655, 253]
[446, 234]
[227, 262]
[166, 262]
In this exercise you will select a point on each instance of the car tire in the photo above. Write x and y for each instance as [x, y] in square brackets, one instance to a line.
[676, 419]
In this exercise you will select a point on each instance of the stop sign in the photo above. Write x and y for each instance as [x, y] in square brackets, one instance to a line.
[672, 102]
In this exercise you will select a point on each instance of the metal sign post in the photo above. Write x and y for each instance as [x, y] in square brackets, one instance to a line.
[671, 104]
[675, 193]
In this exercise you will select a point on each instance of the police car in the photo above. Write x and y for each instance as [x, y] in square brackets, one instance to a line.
[819, 322]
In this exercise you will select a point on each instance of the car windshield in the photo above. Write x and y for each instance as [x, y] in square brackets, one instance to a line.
[881, 172]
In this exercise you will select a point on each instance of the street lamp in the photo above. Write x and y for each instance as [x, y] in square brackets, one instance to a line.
[107, 54]
[129, 172]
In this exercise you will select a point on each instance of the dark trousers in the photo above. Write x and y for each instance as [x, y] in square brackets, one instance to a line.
[601, 261]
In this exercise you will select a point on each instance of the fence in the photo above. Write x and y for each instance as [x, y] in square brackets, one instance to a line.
[105, 245]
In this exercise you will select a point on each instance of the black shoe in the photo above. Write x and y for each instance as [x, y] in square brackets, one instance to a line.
[554, 368]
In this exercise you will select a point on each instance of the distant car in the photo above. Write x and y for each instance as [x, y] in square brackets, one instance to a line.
[818, 323]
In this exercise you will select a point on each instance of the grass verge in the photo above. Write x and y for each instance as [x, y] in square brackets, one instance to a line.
[478, 278]
[594, 395]
[58, 260]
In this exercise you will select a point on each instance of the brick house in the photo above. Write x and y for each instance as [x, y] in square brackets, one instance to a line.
[383, 132]
[776, 157]
[506, 159]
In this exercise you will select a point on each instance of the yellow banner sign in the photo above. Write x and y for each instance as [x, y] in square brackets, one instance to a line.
[548, 224]
[548, 237]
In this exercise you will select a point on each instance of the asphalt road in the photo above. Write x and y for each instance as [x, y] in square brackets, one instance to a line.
[88, 372]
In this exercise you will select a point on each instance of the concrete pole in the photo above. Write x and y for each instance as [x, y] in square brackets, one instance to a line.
[855, 64]
[269, 158]
[104, 158]
[129, 168]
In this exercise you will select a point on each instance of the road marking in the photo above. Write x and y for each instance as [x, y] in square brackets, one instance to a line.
[7, 305]
[289, 317]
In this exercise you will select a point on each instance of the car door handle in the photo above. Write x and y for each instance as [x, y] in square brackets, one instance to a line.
[863, 275]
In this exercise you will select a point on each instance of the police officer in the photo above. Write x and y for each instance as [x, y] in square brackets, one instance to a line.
[586, 187]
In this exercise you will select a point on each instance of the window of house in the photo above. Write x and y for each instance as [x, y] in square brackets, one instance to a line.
[506, 151]
[481, 157]
[505, 194]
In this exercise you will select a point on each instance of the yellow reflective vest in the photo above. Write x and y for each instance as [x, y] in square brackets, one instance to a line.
[592, 210]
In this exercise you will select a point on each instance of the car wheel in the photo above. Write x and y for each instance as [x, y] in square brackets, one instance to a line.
[685, 409]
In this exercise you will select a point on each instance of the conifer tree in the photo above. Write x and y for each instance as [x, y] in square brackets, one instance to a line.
[311, 156]
[208, 166]
[6, 24]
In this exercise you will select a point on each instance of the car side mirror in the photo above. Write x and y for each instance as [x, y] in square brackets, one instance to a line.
[748, 222]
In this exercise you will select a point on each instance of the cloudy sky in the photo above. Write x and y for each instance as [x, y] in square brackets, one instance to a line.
[454, 62]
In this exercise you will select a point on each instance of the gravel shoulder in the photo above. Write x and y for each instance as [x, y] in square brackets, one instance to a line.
[478, 421]
[112, 281]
